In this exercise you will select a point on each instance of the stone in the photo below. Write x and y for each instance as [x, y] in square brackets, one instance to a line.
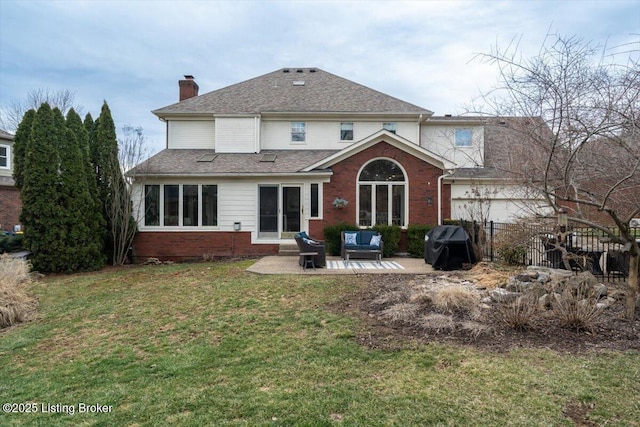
[545, 302]
[600, 291]
[503, 295]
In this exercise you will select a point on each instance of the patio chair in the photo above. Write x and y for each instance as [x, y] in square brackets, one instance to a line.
[308, 245]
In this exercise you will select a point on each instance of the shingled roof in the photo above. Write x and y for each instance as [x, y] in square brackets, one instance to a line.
[191, 162]
[293, 90]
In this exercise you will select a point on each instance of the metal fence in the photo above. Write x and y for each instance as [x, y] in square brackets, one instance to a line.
[535, 245]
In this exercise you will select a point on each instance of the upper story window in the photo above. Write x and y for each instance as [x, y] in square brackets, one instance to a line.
[390, 126]
[346, 131]
[298, 132]
[463, 137]
[5, 154]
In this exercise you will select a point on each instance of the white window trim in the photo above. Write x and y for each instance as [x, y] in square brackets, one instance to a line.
[304, 141]
[8, 147]
[389, 193]
[352, 132]
[320, 210]
[455, 138]
[180, 226]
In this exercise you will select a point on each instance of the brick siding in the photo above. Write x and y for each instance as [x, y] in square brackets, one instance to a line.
[10, 207]
[176, 246]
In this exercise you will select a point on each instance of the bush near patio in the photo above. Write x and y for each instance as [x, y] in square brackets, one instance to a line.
[390, 237]
[415, 239]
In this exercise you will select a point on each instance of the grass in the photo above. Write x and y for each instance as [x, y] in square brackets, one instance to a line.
[209, 344]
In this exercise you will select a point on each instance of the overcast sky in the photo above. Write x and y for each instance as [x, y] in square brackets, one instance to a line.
[132, 53]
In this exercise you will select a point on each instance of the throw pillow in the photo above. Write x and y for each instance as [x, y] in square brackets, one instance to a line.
[375, 241]
[350, 239]
[309, 241]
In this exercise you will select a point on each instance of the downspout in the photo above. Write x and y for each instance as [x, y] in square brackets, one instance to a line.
[440, 178]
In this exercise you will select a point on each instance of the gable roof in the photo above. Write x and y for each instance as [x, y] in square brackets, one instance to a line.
[382, 135]
[293, 90]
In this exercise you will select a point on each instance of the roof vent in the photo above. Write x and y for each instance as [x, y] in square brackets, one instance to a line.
[298, 83]
[271, 157]
[447, 115]
[207, 157]
[299, 70]
[313, 70]
[286, 70]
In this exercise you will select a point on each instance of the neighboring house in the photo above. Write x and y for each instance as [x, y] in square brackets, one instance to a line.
[10, 204]
[248, 165]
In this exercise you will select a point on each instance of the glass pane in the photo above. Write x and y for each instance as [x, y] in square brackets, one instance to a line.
[315, 200]
[382, 204]
[397, 205]
[171, 200]
[463, 137]
[382, 170]
[297, 131]
[209, 205]
[269, 209]
[390, 126]
[190, 205]
[151, 205]
[365, 206]
[346, 131]
[291, 208]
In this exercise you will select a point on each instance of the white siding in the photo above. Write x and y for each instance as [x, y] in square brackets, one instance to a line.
[237, 135]
[440, 139]
[500, 202]
[191, 134]
[237, 202]
[325, 135]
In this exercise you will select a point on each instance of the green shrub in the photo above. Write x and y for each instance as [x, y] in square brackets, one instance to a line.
[512, 255]
[390, 237]
[332, 236]
[415, 239]
[10, 243]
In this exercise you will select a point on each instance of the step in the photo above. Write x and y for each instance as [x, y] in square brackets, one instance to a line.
[288, 250]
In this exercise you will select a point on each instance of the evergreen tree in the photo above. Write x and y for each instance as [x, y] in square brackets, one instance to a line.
[83, 219]
[41, 215]
[104, 157]
[20, 142]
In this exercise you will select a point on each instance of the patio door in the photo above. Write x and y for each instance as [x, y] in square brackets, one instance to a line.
[291, 211]
[280, 211]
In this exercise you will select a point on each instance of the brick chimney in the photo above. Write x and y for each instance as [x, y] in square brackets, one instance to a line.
[188, 88]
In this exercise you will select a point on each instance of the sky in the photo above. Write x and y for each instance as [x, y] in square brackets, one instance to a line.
[131, 54]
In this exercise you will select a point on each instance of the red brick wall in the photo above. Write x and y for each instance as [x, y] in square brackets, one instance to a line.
[10, 207]
[176, 246]
[421, 176]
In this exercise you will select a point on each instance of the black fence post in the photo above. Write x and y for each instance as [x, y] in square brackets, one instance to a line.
[491, 241]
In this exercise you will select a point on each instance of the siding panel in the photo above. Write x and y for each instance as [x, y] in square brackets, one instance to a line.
[192, 134]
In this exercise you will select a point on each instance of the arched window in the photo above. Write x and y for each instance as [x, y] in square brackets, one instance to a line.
[382, 189]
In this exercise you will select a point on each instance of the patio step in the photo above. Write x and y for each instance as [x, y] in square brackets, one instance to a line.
[288, 250]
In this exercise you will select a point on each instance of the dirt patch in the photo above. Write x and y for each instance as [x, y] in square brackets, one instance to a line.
[395, 318]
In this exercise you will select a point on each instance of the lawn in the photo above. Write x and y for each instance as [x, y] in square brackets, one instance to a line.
[210, 344]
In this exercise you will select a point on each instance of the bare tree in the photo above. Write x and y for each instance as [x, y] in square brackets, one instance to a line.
[132, 150]
[12, 113]
[581, 148]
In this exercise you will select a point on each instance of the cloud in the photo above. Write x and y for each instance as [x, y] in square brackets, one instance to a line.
[131, 53]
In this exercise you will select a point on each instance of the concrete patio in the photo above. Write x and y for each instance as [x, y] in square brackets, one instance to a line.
[289, 265]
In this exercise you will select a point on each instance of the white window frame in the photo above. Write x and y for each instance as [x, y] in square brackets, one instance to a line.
[180, 225]
[463, 137]
[390, 185]
[7, 156]
[319, 216]
[300, 129]
[346, 130]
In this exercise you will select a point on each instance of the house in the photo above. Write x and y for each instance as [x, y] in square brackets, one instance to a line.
[247, 166]
[10, 204]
